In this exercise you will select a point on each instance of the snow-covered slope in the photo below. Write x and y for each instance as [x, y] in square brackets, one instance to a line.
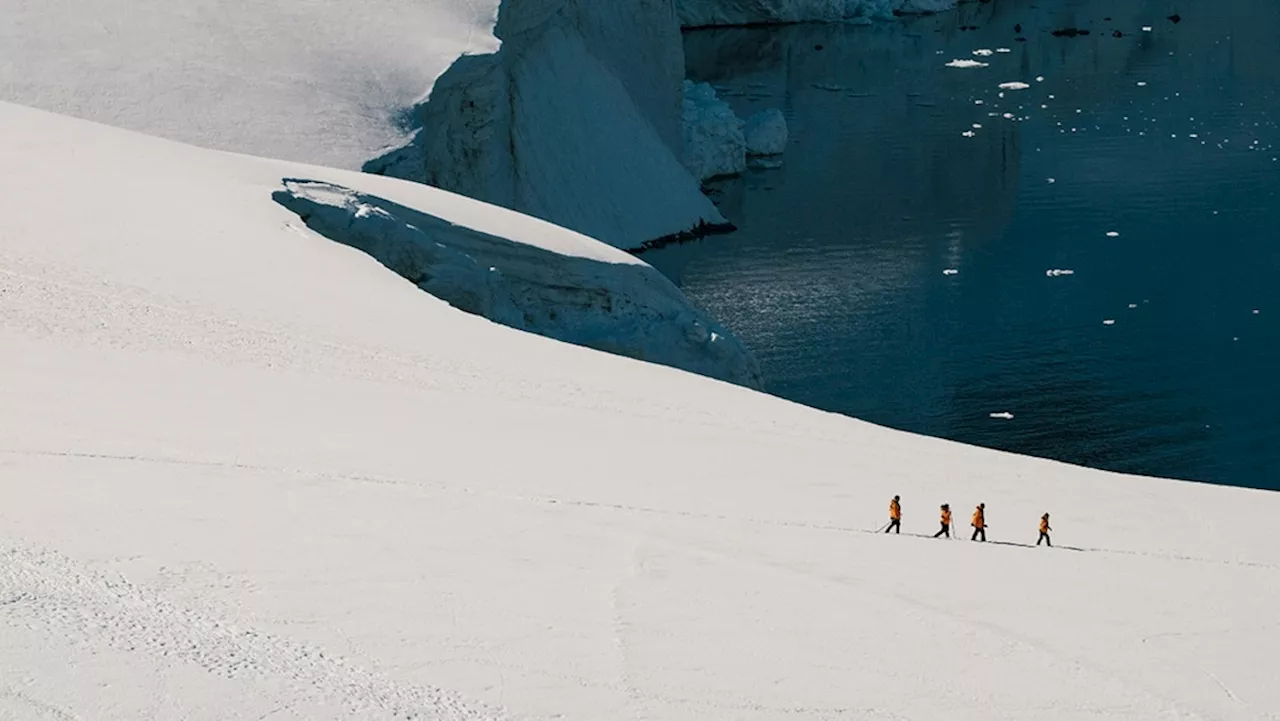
[250, 474]
[706, 13]
[573, 117]
[510, 268]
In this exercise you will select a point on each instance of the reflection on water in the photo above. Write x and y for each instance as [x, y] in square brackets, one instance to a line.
[1167, 139]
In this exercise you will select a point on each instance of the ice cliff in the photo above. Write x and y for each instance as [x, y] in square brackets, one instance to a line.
[623, 307]
[706, 13]
[575, 120]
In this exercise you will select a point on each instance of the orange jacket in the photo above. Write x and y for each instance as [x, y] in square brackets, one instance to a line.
[946, 517]
[895, 511]
[1044, 525]
[979, 521]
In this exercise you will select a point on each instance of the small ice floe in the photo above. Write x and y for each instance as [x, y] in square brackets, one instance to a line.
[977, 126]
[1007, 116]
[1003, 50]
[1003, 415]
[1132, 306]
[1256, 311]
[983, 53]
[1014, 86]
[1112, 234]
[1142, 83]
[1109, 321]
[958, 63]
[979, 102]
[1051, 181]
[968, 133]
[1058, 272]
[1039, 78]
[1236, 338]
[1146, 28]
[950, 271]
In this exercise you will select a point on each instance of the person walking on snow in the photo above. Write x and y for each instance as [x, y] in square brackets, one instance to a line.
[895, 516]
[946, 522]
[1044, 531]
[979, 523]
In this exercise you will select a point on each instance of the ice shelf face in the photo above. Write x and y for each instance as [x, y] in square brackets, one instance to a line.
[575, 119]
[626, 308]
[708, 13]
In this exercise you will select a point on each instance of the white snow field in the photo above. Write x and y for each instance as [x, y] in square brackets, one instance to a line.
[341, 83]
[249, 473]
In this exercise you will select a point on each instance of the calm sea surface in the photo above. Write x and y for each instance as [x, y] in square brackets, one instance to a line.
[1097, 254]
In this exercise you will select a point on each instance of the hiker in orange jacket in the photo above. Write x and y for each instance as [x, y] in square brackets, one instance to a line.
[946, 522]
[895, 516]
[979, 523]
[1044, 531]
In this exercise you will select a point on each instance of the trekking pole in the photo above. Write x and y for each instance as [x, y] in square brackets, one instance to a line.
[881, 529]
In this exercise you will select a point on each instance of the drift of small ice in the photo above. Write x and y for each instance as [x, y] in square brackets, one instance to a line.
[953, 271]
[1113, 234]
[1109, 321]
[1056, 272]
[964, 63]
[1004, 415]
[983, 52]
[1014, 86]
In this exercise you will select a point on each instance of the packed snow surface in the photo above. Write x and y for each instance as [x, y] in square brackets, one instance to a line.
[249, 473]
[568, 110]
[312, 80]
[704, 13]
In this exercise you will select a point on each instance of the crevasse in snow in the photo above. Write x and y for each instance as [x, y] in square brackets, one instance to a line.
[705, 13]
[575, 120]
[624, 308]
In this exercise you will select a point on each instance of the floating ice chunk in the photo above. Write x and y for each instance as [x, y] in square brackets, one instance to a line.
[1109, 321]
[1003, 50]
[983, 53]
[1146, 28]
[1142, 83]
[1113, 234]
[1056, 272]
[968, 133]
[977, 126]
[979, 102]
[1256, 311]
[714, 144]
[1004, 415]
[953, 271]
[1051, 180]
[766, 133]
[1132, 306]
[1007, 116]
[1039, 78]
[1014, 86]
[957, 63]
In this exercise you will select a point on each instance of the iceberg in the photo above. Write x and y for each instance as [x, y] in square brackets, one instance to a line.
[709, 13]
[714, 142]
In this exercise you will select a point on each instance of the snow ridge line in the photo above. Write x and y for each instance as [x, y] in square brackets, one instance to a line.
[440, 485]
[45, 589]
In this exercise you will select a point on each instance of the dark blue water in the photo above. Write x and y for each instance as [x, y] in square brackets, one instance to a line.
[1168, 137]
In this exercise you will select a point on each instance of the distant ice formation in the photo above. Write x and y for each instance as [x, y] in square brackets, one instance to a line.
[708, 13]
[766, 133]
